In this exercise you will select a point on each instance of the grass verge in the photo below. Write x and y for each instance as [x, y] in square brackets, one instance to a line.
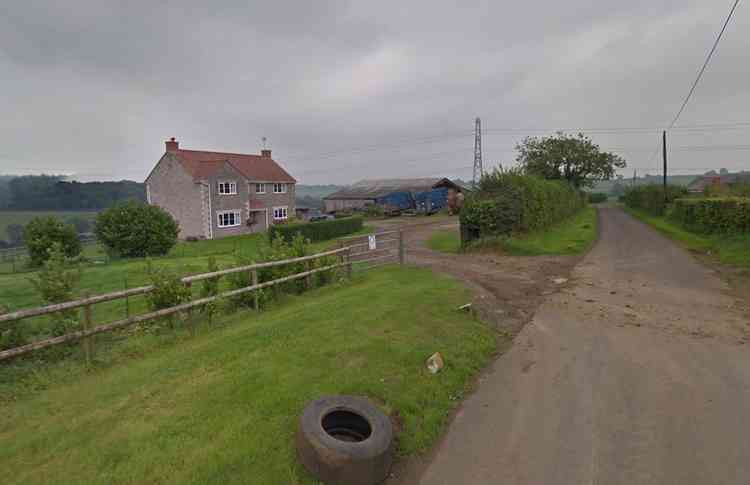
[221, 406]
[732, 249]
[574, 235]
[445, 241]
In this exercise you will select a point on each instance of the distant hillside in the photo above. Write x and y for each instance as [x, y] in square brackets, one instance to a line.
[49, 192]
[614, 187]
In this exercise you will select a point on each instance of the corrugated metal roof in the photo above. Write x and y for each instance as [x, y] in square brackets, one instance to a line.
[374, 188]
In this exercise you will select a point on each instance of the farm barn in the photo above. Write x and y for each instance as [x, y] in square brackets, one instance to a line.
[425, 194]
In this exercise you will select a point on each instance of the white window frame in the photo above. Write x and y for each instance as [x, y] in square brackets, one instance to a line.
[237, 218]
[261, 186]
[283, 211]
[280, 186]
[232, 187]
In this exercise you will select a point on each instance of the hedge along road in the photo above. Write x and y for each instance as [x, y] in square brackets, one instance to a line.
[635, 372]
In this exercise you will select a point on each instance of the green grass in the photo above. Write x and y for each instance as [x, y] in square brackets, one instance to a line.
[23, 217]
[221, 406]
[572, 236]
[728, 249]
[445, 241]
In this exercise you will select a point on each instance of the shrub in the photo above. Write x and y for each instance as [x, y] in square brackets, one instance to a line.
[650, 198]
[597, 197]
[169, 290]
[55, 283]
[210, 287]
[11, 335]
[713, 215]
[316, 231]
[134, 229]
[508, 202]
[41, 233]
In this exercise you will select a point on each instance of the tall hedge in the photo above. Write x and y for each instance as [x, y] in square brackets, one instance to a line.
[713, 215]
[317, 231]
[508, 203]
[650, 198]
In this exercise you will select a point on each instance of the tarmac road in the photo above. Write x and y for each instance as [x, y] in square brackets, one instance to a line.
[636, 372]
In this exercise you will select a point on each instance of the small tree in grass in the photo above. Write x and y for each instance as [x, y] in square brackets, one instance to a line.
[169, 290]
[210, 287]
[133, 229]
[56, 282]
[41, 233]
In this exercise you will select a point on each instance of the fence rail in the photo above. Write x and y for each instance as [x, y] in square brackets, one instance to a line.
[347, 258]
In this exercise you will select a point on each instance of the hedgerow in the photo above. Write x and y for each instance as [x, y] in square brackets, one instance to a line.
[509, 202]
[650, 198]
[316, 231]
[597, 197]
[713, 215]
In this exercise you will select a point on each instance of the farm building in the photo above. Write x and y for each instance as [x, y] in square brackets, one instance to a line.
[422, 193]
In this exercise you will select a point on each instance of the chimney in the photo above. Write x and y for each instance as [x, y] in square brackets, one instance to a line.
[172, 145]
[265, 153]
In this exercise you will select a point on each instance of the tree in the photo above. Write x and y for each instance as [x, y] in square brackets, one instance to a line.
[15, 234]
[133, 229]
[42, 232]
[56, 282]
[567, 157]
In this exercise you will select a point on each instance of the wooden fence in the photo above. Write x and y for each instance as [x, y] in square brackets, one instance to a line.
[352, 256]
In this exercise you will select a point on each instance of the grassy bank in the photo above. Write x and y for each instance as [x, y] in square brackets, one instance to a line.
[221, 407]
[572, 236]
[727, 249]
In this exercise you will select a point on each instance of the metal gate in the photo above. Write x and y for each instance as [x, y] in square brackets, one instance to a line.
[377, 249]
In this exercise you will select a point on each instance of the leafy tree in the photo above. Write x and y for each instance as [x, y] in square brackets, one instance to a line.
[133, 229]
[15, 234]
[567, 157]
[42, 232]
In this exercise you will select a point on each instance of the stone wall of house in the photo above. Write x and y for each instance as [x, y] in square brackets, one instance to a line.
[173, 189]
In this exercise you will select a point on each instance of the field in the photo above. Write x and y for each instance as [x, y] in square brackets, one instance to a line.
[727, 249]
[23, 217]
[221, 406]
[573, 236]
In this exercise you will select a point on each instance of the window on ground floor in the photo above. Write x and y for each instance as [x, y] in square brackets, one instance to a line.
[279, 213]
[228, 218]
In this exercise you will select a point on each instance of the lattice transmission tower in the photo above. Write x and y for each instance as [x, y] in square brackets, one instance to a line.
[478, 170]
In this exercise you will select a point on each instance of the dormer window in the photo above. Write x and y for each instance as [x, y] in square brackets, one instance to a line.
[227, 188]
[279, 188]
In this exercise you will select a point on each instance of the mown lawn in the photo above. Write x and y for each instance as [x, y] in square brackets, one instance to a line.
[732, 249]
[221, 406]
[572, 236]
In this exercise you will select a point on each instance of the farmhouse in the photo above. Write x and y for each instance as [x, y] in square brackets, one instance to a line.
[396, 192]
[216, 194]
[699, 184]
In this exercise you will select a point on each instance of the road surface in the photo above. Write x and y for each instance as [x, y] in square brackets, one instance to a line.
[636, 372]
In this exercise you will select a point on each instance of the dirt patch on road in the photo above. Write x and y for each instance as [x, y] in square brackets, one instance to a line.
[508, 289]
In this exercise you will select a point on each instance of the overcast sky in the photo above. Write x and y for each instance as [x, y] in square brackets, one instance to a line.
[349, 90]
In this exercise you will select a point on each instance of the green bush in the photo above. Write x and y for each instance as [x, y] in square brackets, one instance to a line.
[169, 290]
[650, 198]
[597, 197]
[41, 233]
[56, 282]
[508, 202]
[133, 229]
[316, 231]
[713, 215]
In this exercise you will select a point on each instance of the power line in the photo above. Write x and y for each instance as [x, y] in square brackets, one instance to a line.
[705, 64]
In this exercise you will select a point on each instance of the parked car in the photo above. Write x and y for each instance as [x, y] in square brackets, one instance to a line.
[320, 216]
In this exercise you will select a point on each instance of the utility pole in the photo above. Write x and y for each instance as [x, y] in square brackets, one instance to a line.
[664, 154]
[478, 169]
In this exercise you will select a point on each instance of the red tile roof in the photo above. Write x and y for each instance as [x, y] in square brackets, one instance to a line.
[202, 164]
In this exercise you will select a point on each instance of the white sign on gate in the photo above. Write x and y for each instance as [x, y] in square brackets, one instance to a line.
[372, 241]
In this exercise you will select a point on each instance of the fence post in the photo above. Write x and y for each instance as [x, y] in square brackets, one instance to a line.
[127, 299]
[189, 286]
[256, 297]
[349, 262]
[308, 278]
[401, 255]
[86, 324]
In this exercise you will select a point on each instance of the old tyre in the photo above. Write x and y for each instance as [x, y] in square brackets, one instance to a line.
[345, 440]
